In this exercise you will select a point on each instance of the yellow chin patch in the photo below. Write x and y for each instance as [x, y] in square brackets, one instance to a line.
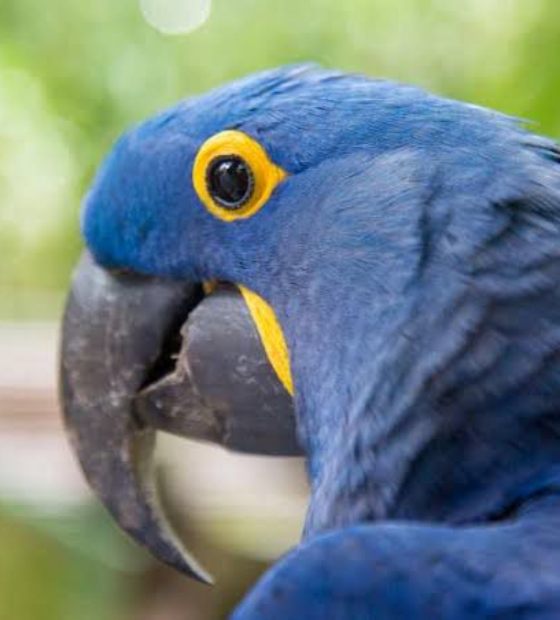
[271, 335]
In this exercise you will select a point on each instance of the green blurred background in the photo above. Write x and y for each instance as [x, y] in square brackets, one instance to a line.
[73, 75]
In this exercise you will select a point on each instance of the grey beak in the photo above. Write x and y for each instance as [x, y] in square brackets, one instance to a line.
[140, 355]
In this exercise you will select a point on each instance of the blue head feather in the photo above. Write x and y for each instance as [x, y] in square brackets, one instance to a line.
[406, 255]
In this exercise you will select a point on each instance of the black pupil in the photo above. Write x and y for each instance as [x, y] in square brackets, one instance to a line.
[230, 182]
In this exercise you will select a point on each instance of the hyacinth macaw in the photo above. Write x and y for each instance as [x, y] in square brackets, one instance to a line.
[399, 257]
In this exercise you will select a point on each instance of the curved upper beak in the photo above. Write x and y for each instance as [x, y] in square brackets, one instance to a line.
[140, 355]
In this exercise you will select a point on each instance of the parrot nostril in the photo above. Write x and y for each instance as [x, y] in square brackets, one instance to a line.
[128, 274]
[122, 272]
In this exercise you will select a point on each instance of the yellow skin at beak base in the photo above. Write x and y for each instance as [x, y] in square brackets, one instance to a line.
[271, 335]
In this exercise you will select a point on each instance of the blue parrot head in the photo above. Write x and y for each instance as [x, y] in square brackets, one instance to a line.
[390, 233]
[341, 166]
[322, 130]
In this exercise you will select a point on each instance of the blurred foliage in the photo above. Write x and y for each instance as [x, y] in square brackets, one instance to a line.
[41, 578]
[68, 563]
[73, 75]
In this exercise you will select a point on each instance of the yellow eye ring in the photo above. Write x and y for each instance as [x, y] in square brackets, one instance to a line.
[233, 175]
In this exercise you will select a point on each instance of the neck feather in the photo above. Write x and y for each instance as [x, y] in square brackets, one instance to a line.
[451, 416]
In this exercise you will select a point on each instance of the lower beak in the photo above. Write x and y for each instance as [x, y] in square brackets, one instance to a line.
[140, 355]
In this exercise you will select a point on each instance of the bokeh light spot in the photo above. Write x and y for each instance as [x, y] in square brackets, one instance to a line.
[176, 16]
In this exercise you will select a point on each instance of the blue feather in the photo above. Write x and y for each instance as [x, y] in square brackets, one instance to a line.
[412, 256]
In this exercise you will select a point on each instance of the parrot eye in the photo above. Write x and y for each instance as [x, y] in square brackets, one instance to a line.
[230, 181]
[233, 175]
